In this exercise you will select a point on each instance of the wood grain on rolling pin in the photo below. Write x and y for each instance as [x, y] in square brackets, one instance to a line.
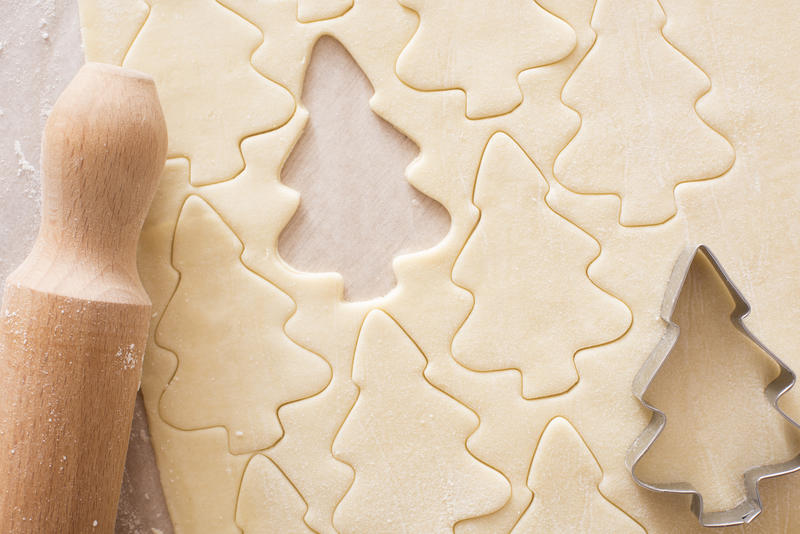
[75, 315]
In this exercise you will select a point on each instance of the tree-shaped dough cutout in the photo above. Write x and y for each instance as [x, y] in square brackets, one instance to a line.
[268, 502]
[357, 211]
[565, 481]
[640, 135]
[406, 441]
[710, 387]
[535, 306]
[236, 366]
[199, 52]
[481, 48]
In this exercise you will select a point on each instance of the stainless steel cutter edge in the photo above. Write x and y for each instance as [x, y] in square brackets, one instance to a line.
[748, 509]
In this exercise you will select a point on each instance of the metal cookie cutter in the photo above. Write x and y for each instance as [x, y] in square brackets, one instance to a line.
[748, 509]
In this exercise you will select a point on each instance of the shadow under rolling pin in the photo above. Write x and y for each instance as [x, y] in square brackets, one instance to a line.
[75, 316]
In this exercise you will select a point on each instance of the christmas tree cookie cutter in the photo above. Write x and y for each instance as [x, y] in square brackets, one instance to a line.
[751, 506]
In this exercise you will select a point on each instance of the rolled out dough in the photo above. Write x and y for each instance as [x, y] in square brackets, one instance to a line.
[596, 164]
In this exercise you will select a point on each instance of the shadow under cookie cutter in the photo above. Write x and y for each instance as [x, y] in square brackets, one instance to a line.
[751, 507]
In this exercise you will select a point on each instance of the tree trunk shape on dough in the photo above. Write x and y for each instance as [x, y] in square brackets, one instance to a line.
[481, 55]
[535, 306]
[640, 135]
[406, 441]
[316, 10]
[565, 481]
[236, 366]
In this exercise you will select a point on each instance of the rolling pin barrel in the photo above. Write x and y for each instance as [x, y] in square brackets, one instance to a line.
[74, 319]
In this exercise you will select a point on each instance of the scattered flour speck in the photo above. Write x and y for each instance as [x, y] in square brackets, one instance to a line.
[128, 356]
[23, 165]
[27, 172]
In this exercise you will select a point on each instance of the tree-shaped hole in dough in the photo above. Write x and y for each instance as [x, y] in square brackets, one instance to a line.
[348, 161]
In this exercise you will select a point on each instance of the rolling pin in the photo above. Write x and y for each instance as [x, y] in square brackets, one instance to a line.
[74, 319]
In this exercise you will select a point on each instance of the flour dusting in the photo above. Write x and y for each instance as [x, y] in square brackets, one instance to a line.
[128, 356]
[24, 167]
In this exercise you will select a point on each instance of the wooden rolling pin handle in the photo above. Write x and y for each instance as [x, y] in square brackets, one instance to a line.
[74, 320]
